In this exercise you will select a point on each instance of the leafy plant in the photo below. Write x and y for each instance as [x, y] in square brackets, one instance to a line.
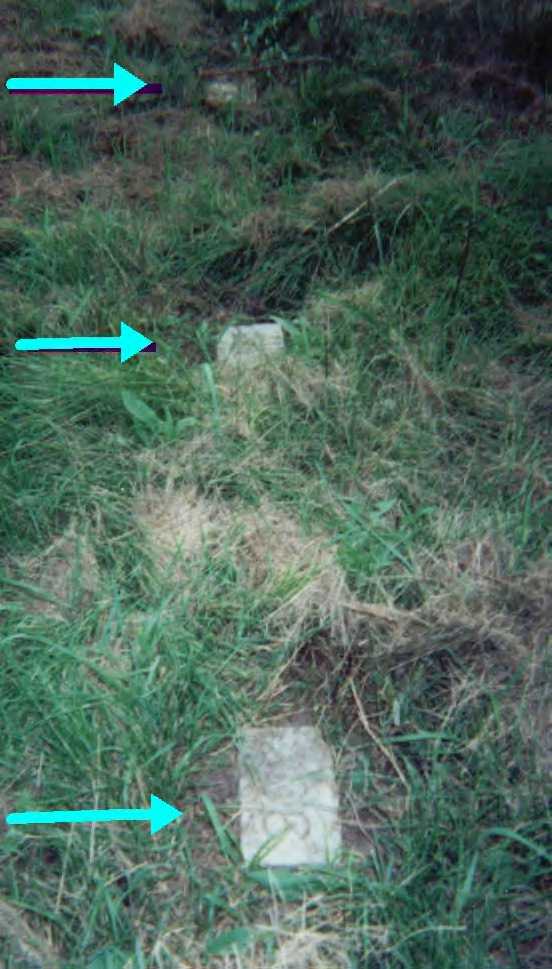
[166, 428]
[274, 26]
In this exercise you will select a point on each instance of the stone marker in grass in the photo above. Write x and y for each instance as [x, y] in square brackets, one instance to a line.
[288, 797]
[250, 345]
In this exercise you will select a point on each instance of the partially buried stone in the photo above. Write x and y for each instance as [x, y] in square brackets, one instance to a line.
[288, 793]
[221, 93]
[250, 345]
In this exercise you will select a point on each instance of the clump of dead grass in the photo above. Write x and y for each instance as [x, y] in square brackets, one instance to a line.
[333, 199]
[60, 577]
[475, 578]
[270, 549]
[248, 395]
[178, 523]
[36, 186]
[26, 947]
[330, 307]
[328, 205]
[264, 224]
[275, 553]
[172, 23]
[472, 600]
[299, 940]
[481, 628]
[100, 184]
[61, 56]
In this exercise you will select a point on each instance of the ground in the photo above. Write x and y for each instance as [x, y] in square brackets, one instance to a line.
[356, 536]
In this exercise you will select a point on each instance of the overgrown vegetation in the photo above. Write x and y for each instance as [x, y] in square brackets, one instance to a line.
[358, 535]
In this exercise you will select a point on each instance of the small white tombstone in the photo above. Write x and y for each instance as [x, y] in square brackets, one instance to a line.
[250, 345]
[218, 94]
[288, 797]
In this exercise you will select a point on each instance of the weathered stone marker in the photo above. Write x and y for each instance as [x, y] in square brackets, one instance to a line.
[249, 345]
[288, 793]
[218, 94]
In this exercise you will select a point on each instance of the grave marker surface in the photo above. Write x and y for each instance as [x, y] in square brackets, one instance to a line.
[288, 791]
[250, 345]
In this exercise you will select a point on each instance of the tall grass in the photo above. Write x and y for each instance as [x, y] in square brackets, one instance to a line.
[359, 533]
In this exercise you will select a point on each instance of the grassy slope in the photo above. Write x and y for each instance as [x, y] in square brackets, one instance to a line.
[376, 510]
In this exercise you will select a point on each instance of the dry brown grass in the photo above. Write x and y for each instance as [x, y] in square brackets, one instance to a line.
[273, 553]
[168, 24]
[249, 394]
[25, 948]
[300, 942]
[270, 549]
[33, 55]
[330, 306]
[333, 198]
[260, 227]
[29, 182]
[60, 576]
[103, 185]
[179, 523]
[481, 630]
[328, 204]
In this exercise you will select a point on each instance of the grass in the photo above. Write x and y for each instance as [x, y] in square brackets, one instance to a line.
[359, 535]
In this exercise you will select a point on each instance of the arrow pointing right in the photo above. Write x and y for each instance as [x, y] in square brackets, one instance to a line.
[123, 84]
[159, 814]
[127, 344]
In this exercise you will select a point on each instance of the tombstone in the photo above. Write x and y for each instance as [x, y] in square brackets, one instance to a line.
[249, 345]
[221, 93]
[288, 797]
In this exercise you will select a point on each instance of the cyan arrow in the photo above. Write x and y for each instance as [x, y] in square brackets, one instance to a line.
[127, 343]
[159, 814]
[123, 84]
